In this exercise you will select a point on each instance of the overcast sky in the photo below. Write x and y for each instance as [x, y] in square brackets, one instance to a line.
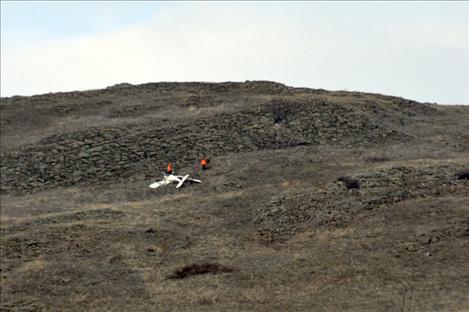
[417, 50]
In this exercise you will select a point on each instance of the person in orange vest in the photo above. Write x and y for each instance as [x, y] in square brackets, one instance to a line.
[169, 170]
[204, 163]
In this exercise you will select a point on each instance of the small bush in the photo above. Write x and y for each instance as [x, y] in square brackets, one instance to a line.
[350, 183]
[197, 269]
[463, 174]
[279, 113]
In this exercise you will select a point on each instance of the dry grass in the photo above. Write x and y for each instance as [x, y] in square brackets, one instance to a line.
[205, 238]
[376, 158]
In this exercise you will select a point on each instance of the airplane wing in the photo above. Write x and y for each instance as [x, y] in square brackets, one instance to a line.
[159, 183]
[188, 179]
[193, 180]
[182, 181]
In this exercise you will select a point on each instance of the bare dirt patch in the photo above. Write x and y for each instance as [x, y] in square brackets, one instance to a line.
[199, 269]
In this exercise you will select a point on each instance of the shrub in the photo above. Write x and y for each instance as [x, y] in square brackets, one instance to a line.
[463, 174]
[350, 183]
[279, 113]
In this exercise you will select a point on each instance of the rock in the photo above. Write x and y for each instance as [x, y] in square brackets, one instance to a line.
[96, 149]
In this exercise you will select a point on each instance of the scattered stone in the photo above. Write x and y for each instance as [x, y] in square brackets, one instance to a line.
[106, 154]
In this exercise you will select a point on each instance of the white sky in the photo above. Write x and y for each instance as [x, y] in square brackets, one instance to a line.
[417, 50]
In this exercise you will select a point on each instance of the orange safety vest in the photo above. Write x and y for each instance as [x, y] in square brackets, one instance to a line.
[170, 168]
[203, 163]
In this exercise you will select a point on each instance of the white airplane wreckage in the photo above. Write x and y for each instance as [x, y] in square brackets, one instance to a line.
[171, 178]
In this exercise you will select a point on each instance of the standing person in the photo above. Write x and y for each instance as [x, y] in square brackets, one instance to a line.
[204, 163]
[169, 170]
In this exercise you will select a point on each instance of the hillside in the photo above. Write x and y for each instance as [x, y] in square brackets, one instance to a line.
[315, 200]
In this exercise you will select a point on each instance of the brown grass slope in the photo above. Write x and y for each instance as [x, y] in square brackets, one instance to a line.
[316, 200]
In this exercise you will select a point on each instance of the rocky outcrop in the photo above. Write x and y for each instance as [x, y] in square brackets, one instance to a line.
[110, 154]
[287, 214]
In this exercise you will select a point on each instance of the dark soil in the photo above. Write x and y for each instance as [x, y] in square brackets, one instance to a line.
[198, 269]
